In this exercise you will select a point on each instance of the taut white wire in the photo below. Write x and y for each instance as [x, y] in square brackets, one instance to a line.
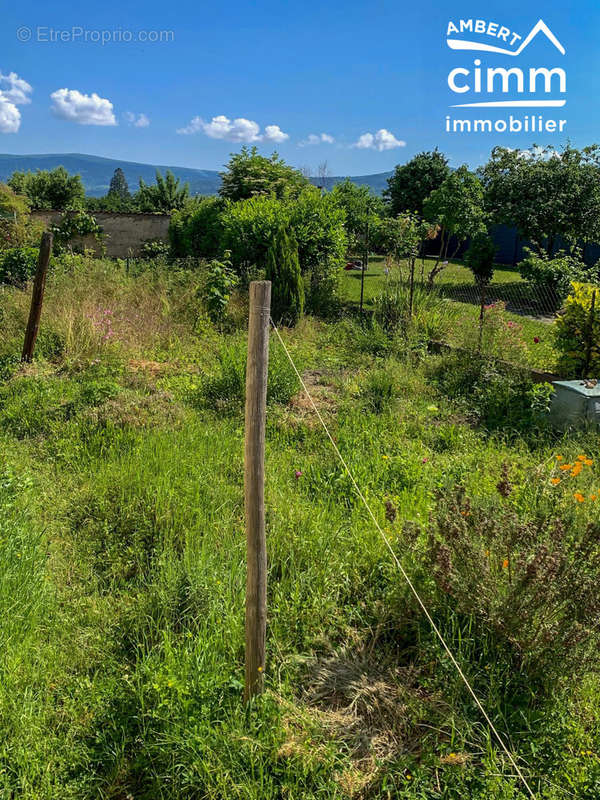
[404, 573]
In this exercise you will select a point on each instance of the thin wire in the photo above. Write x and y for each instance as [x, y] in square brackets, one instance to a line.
[403, 571]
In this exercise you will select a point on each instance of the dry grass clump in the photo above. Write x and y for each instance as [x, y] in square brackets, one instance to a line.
[373, 707]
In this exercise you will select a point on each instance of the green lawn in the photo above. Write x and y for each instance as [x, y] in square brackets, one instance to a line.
[122, 564]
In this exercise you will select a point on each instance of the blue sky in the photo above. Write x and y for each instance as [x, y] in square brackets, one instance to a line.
[345, 69]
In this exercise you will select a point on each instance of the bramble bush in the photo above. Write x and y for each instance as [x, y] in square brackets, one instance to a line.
[578, 333]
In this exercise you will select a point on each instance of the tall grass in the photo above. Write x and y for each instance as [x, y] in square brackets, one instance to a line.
[122, 568]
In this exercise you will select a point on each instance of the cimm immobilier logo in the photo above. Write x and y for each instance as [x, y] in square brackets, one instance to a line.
[498, 84]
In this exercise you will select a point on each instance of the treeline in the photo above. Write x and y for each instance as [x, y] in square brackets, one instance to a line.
[547, 194]
[57, 190]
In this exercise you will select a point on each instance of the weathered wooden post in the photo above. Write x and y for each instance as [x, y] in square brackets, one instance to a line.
[37, 297]
[254, 486]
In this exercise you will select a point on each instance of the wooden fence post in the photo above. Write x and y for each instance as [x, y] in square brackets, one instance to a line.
[37, 297]
[254, 486]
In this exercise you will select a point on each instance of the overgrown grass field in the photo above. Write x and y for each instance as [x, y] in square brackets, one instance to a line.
[122, 561]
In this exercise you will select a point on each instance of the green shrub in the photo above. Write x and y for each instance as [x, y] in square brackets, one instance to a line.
[154, 249]
[74, 226]
[498, 396]
[283, 270]
[479, 258]
[578, 333]
[220, 281]
[18, 265]
[552, 277]
[196, 230]
[317, 223]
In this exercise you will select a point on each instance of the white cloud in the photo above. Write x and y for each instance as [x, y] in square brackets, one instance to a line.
[273, 133]
[237, 130]
[382, 140]
[84, 109]
[136, 120]
[221, 127]
[317, 138]
[14, 91]
[10, 116]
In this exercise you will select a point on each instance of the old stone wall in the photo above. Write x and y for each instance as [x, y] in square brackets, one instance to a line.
[124, 234]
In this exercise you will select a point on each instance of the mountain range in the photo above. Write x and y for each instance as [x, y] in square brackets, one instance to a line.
[96, 172]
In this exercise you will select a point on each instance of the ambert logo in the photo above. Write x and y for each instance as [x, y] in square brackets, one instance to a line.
[497, 85]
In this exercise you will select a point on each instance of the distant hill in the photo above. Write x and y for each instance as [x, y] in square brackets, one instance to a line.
[96, 172]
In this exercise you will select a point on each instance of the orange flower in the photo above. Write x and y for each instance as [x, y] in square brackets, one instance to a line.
[565, 467]
[581, 458]
[505, 563]
[593, 497]
[577, 469]
[579, 497]
[559, 458]
[588, 462]
[555, 481]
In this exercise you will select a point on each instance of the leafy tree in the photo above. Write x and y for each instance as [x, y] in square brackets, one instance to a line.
[49, 190]
[119, 186]
[457, 207]
[360, 206]
[412, 183]
[479, 258]
[163, 196]
[249, 174]
[546, 193]
[283, 270]
[400, 237]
